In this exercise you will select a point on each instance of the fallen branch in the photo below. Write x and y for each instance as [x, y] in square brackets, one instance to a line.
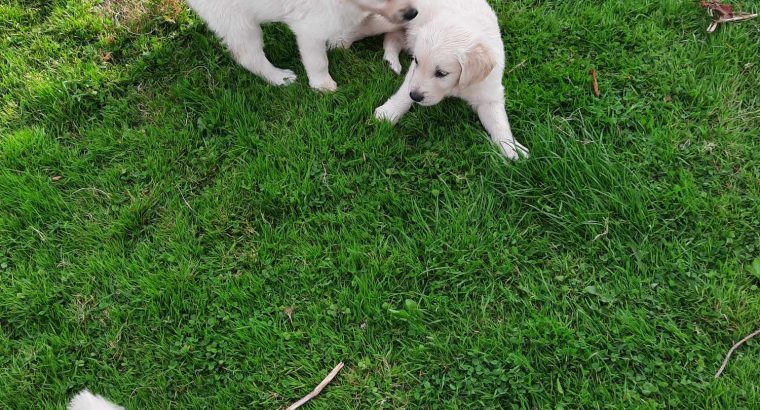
[318, 389]
[723, 13]
[730, 352]
[595, 83]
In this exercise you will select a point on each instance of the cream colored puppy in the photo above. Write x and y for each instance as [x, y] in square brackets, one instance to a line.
[458, 52]
[317, 24]
[85, 400]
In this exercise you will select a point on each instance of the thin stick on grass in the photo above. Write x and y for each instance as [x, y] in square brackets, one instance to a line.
[317, 389]
[738, 17]
[595, 83]
[184, 200]
[93, 190]
[730, 352]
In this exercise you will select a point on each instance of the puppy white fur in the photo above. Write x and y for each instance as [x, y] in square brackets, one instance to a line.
[458, 52]
[317, 24]
[85, 400]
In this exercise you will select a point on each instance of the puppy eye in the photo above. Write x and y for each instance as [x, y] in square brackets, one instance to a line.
[440, 73]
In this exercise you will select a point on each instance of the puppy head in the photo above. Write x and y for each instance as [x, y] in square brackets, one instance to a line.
[397, 11]
[445, 59]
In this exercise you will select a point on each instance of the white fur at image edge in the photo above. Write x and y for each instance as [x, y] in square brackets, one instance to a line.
[85, 400]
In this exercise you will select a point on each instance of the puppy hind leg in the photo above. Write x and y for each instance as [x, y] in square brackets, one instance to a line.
[246, 43]
[393, 44]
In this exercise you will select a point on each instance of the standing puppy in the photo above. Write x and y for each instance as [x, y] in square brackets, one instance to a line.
[458, 52]
[316, 23]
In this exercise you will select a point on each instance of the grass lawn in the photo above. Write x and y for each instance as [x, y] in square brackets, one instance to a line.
[161, 208]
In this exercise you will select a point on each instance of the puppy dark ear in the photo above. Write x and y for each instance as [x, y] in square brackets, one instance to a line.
[477, 63]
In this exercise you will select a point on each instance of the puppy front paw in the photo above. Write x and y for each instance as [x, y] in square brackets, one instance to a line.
[386, 113]
[393, 63]
[512, 149]
[281, 77]
[326, 86]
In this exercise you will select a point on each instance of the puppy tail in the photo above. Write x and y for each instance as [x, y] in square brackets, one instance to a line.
[84, 400]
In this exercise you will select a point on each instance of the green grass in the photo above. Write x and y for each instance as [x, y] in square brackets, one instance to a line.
[160, 207]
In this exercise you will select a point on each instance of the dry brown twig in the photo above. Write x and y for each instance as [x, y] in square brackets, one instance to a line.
[595, 83]
[734, 347]
[723, 13]
[317, 389]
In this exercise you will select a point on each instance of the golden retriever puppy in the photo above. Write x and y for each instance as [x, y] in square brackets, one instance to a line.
[316, 24]
[458, 51]
[85, 400]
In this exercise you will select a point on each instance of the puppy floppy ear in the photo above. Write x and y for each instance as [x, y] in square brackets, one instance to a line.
[477, 63]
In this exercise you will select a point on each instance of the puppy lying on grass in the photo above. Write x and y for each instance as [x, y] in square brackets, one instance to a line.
[316, 23]
[458, 52]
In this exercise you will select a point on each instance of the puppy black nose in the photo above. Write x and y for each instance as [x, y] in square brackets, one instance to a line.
[417, 96]
[410, 14]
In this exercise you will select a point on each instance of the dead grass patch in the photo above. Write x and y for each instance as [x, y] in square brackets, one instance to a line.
[140, 16]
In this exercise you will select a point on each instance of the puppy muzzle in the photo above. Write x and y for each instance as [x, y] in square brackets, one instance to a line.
[409, 14]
